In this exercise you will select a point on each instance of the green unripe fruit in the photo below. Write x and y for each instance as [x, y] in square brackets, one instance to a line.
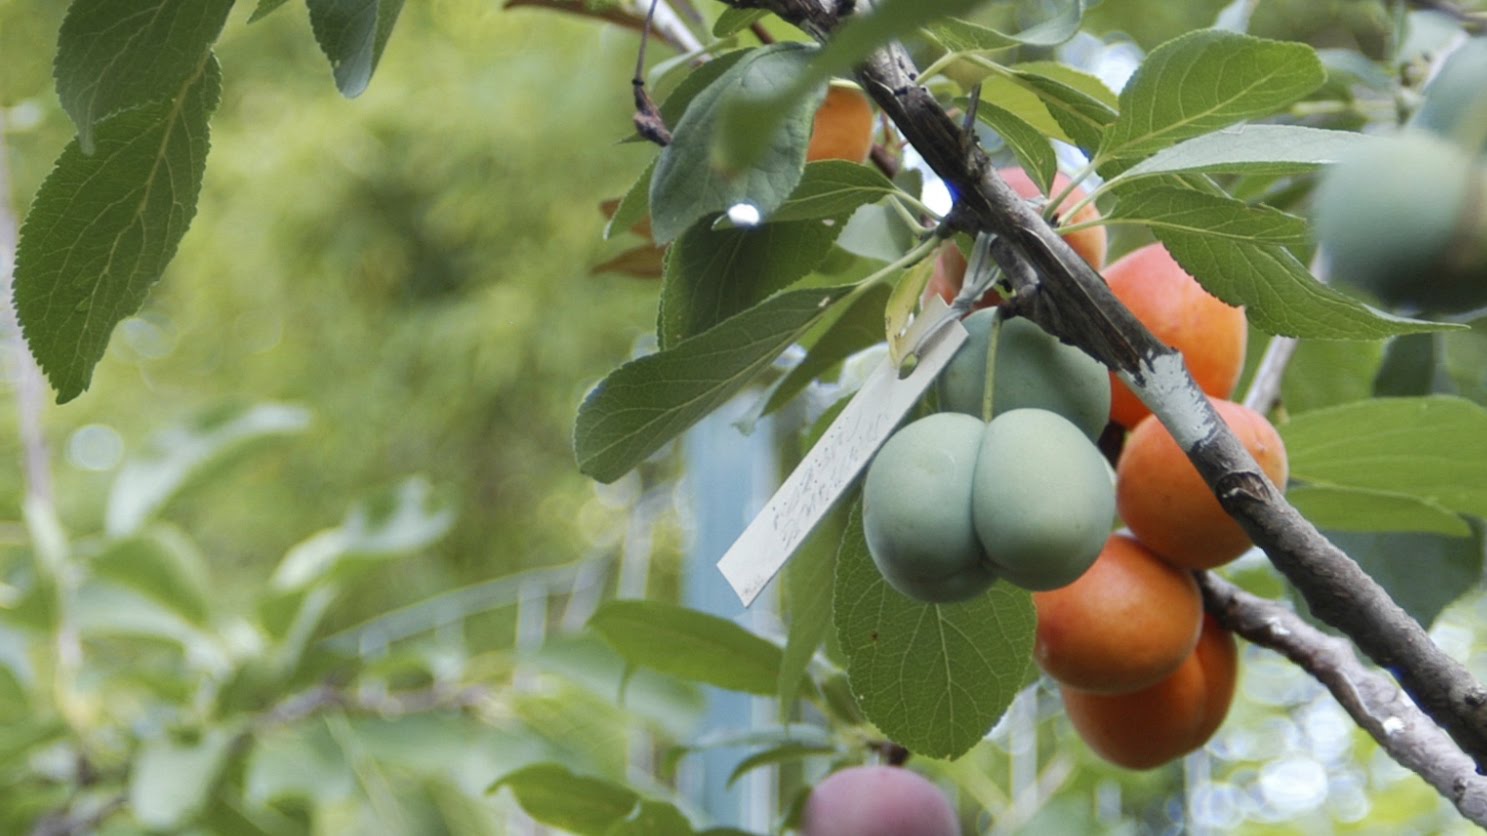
[1456, 99]
[1406, 220]
[916, 510]
[1042, 502]
[1033, 371]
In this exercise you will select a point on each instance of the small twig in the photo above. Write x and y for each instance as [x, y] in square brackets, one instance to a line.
[1371, 698]
[761, 33]
[648, 120]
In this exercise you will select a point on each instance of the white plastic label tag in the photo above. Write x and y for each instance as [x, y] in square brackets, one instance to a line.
[842, 452]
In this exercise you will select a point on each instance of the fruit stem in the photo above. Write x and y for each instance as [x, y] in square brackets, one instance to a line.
[987, 394]
[1050, 212]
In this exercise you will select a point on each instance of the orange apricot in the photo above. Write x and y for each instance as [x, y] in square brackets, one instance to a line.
[843, 129]
[1127, 622]
[1169, 507]
[1147, 728]
[1177, 310]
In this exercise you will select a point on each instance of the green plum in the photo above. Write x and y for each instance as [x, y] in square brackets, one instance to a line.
[1042, 502]
[1455, 103]
[1405, 218]
[916, 510]
[1033, 370]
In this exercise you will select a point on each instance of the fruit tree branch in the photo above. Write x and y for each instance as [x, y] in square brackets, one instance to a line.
[1071, 301]
[1370, 698]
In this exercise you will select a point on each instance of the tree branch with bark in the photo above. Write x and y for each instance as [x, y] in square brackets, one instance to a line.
[1056, 288]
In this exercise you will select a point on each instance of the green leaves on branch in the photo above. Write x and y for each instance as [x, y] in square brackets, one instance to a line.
[103, 227]
[1250, 149]
[1279, 294]
[1204, 81]
[139, 80]
[647, 402]
[934, 678]
[353, 34]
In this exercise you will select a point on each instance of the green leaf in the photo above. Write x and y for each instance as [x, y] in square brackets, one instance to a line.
[806, 582]
[164, 564]
[713, 274]
[393, 523]
[117, 54]
[1020, 100]
[1027, 142]
[690, 182]
[352, 34]
[752, 121]
[1251, 149]
[179, 456]
[263, 9]
[958, 35]
[1423, 573]
[634, 207]
[652, 818]
[1202, 213]
[1329, 372]
[557, 797]
[1432, 448]
[842, 333]
[171, 781]
[1079, 114]
[833, 189]
[733, 21]
[1203, 81]
[647, 402]
[696, 81]
[103, 227]
[934, 678]
[1413, 365]
[783, 753]
[689, 645]
[1354, 509]
[1279, 294]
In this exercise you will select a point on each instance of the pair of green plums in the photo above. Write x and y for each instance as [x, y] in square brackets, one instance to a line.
[952, 502]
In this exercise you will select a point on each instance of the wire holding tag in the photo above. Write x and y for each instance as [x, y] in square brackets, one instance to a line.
[981, 274]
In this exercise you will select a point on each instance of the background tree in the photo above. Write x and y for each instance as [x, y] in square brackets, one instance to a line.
[432, 327]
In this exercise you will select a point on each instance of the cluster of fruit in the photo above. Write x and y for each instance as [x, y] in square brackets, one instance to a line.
[1405, 218]
[950, 504]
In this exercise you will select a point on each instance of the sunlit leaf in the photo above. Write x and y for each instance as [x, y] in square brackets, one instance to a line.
[833, 189]
[965, 36]
[164, 564]
[1029, 144]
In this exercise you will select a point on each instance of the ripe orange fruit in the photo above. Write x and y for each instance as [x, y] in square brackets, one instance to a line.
[1176, 309]
[1149, 727]
[1169, 507]
[1127, 622]
[843, 129]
